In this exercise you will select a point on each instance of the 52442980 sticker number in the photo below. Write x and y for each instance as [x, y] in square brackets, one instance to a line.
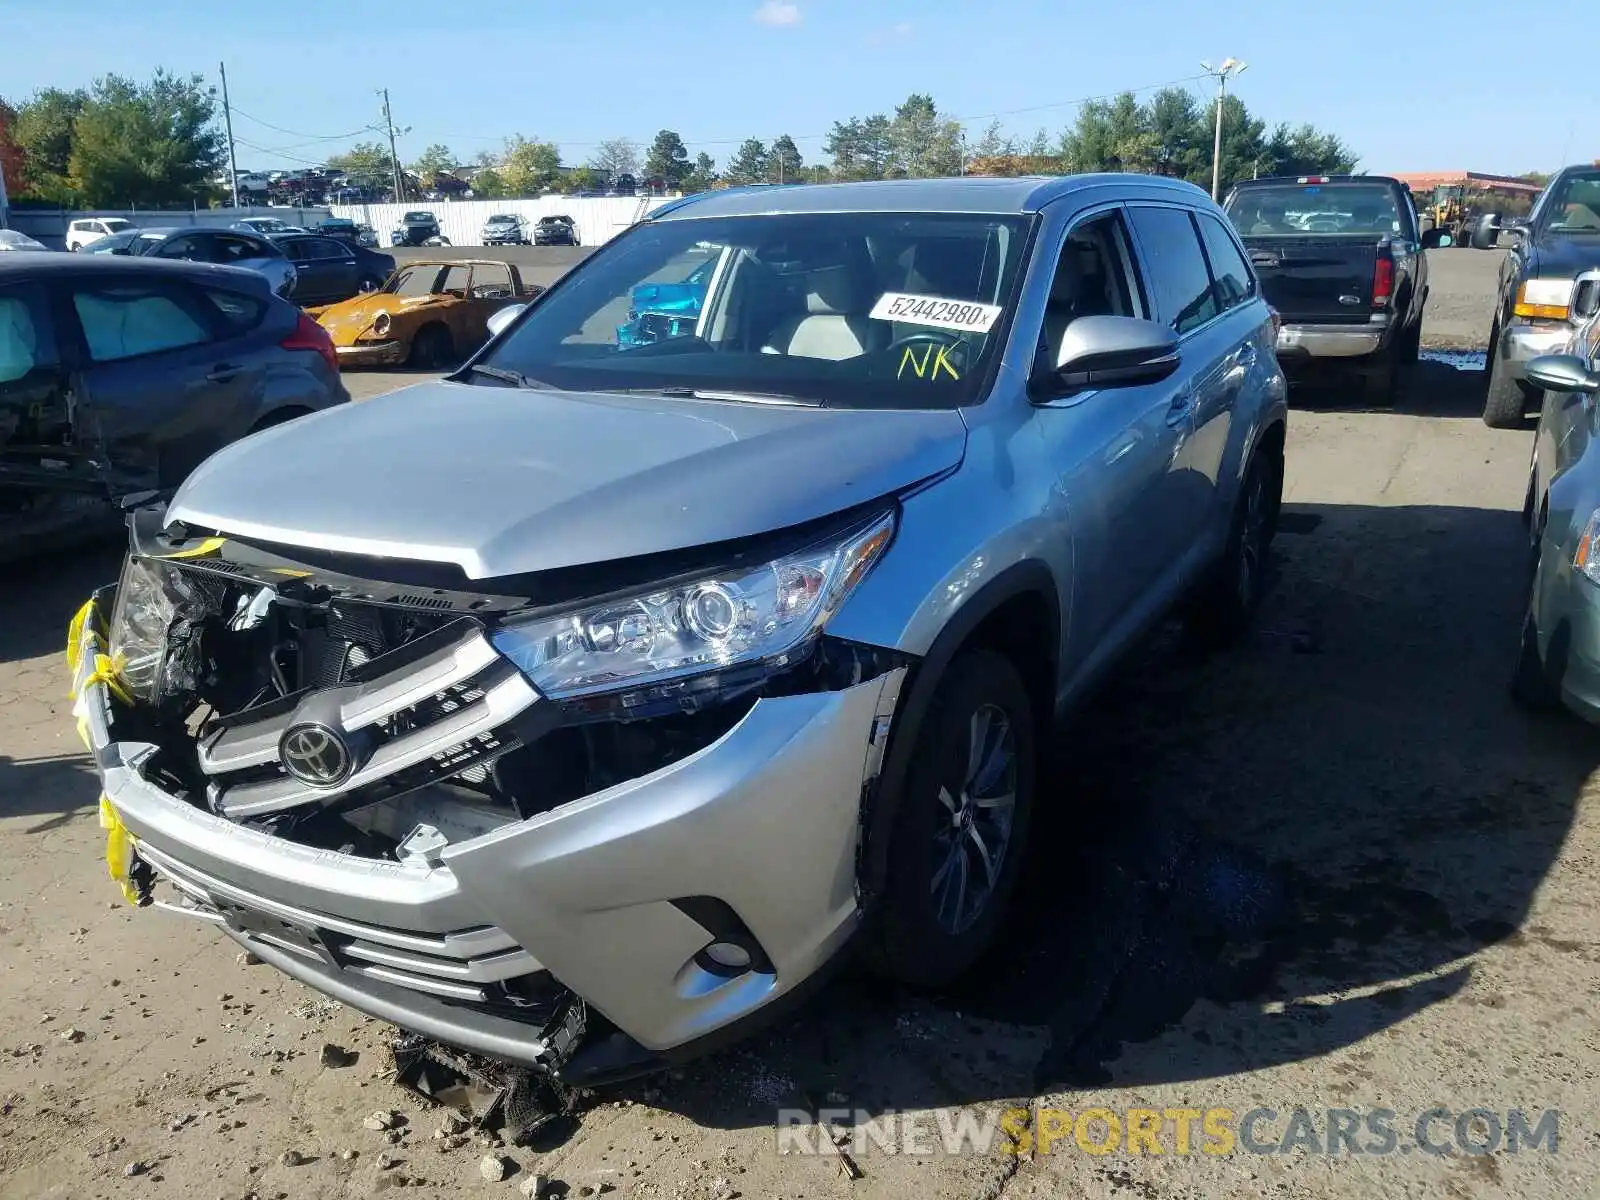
[964, 316]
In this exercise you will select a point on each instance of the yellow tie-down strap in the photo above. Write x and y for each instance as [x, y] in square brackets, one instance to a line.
[119, 851]
[104, 668]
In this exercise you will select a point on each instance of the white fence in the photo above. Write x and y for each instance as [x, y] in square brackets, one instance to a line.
[598, 218]
[50, 225]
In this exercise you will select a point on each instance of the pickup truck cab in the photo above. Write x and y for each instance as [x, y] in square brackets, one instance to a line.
[1340, 257]
[1533, 311]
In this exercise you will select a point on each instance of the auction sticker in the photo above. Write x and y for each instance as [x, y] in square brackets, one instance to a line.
[965, 316]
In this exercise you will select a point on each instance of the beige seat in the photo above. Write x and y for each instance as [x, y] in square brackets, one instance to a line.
[835, 325]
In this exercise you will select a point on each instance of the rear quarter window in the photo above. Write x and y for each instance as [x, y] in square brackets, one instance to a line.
[1175, 267]
[237, 312]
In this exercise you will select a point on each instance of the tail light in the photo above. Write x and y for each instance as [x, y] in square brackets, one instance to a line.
[1383, 279]
[308, 335]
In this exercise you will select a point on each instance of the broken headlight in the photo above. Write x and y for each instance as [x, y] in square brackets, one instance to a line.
[144, 612]
[740, 618]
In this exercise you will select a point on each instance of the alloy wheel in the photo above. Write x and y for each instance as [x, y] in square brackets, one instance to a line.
[972, 841]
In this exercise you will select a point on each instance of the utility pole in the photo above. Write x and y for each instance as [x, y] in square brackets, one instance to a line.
[1228, 66]
[394, 155]
[227, 121]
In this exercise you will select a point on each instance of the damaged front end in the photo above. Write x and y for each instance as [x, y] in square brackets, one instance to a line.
[497, 817]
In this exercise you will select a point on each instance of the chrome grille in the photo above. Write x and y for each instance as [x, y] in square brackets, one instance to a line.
[443, 708]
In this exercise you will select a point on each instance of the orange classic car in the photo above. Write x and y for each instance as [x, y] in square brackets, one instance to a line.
[426, 315]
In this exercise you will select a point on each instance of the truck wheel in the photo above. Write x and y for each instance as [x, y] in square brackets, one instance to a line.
[958, 836]
[1411, 344]
[1506, 402]
[1377, 384]
[1222, 609]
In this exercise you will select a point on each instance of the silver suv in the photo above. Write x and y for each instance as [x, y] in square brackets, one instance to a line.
[641, 676]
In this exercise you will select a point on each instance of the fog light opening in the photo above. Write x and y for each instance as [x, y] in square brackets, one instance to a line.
[726, 958]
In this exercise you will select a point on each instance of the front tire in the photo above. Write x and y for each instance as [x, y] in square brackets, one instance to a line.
[1531, 686]
[957, 841]
[1506, 402]
[431, 348]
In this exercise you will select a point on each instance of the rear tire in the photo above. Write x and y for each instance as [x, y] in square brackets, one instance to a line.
[431, 348]
[960, 832]
[1224, 606]
[1506, 402]
[1377, 384]
[1531, 686]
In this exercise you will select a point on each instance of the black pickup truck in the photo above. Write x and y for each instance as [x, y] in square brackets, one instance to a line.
[1341, 259]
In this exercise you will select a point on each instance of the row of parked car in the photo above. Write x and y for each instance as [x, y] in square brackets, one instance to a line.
[649, 666]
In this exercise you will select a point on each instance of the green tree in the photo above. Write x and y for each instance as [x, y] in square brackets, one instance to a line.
[615, 158]
[531, 166]
[1182, 148]
[786, 165]
[582, 179]
[436, 159]
[993, 143]
[489, 184]
[486, 158]
[1301, 151]
[750, 163]
[145, 144]
[367, 163]
[702, 176]
[921, 143]
[668, 158]
[43, 136]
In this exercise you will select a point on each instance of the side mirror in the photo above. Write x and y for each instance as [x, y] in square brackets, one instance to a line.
[1115, 352]
[1562, 373]
[502, 317]
[1432, 239]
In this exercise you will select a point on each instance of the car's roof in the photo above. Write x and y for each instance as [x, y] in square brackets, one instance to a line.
[110, 264]
[1027, 194]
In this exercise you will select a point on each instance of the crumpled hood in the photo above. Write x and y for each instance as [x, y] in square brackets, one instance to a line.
[502, 481]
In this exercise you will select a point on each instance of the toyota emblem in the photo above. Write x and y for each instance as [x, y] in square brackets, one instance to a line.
[317, 755]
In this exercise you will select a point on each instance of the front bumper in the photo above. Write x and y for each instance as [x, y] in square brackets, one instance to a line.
[373, 354]
[1522, 341]
[597, 892]
[1331, 341]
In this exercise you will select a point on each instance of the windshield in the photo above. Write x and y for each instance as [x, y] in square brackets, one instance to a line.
[850, 310]
[1314, 209]
[502, 220]
[1574, 205]
[417, 216]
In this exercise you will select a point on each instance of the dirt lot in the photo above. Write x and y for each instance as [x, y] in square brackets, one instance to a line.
[1333, 868]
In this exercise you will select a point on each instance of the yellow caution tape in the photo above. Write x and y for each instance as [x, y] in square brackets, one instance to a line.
[119, 850]
[209, 546]
[105, 671]
[75, 635]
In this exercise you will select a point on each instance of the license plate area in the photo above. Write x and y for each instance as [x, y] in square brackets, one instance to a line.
[297, 939]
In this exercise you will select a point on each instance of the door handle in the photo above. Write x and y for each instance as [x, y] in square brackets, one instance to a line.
[223, 372]
[1182, 409]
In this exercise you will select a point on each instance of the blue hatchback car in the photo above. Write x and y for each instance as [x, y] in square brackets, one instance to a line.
[659, 311]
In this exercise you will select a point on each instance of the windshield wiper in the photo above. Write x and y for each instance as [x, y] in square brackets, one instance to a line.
[675, 392]
[506, 375]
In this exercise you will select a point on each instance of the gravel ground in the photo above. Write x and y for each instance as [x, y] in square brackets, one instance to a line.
[1332, 868]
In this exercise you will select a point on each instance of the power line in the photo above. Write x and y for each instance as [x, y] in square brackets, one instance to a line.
[310, 137]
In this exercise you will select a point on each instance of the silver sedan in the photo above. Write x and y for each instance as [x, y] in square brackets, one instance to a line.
[1559, 662]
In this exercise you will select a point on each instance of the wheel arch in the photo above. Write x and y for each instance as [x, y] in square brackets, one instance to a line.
[1017, 613]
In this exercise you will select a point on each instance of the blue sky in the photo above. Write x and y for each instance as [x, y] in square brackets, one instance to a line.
[1407, 88]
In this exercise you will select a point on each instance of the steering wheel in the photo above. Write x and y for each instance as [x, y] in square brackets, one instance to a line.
[932, 338]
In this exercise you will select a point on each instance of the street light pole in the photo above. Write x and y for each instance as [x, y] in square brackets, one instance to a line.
[1228, 66]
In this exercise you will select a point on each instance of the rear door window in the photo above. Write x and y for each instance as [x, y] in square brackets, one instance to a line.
[125, 320]
[1231, 275]
[1175, 266]
[27, 339]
